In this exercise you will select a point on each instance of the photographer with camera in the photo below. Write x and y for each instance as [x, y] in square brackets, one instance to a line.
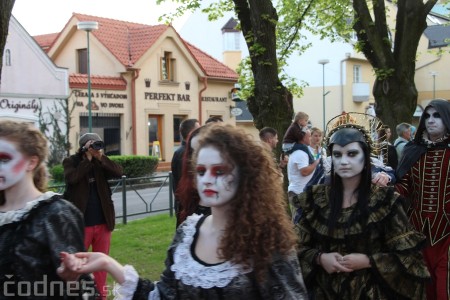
[86, 174]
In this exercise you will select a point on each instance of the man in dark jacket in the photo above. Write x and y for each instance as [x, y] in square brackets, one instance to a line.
[86, 174]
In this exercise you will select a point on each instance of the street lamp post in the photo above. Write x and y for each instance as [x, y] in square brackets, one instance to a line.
[88, 26]
[323, 62]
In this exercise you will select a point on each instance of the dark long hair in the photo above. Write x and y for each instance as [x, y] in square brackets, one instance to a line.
[186, 190]
[336, 193]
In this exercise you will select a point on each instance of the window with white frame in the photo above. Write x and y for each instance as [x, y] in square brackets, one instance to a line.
[231, 41]
[356, 73]
[168, 67]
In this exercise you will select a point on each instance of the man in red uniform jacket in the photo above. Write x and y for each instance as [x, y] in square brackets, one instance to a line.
[424, 179]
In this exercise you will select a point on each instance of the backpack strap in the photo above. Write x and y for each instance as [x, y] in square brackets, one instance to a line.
[401, 142]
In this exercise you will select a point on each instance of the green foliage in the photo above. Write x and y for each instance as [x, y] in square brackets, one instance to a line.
[143, 244]
[136, 165]
[51, 124]
[133, 166]
[57, 173]
[382, 74]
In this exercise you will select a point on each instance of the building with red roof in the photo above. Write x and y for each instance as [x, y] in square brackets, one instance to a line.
[144, 81]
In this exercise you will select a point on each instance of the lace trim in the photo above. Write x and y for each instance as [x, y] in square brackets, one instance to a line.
[193, 273]
[431, 143]
[12, 216]
[128, 287]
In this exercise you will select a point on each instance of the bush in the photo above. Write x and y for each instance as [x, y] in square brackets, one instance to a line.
[57, 173]
[133, 166]
[136, 165]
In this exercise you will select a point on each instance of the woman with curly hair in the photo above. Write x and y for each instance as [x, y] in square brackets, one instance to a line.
[244, 250]
[355, 239]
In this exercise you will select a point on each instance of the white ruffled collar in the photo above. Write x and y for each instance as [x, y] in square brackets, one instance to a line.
[192, 272]
[12, 216]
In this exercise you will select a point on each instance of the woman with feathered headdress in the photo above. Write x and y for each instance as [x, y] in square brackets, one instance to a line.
[355, 239]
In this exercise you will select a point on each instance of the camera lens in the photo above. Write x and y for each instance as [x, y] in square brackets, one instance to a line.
[97, 145]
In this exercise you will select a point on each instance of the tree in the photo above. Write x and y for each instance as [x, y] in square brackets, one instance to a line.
[268, 98]
[394, 64]
[6, 7]
[262, 24]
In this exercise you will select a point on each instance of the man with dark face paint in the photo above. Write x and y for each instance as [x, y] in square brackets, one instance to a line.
[424, 173]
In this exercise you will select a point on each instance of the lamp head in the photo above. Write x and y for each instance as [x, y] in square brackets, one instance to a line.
[87, 25]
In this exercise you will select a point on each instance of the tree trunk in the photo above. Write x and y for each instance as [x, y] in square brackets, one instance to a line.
[394, 61]
[6, 7]
[272, 102]
[395, 100]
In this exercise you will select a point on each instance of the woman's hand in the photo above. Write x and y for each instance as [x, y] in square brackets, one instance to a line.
[331, 263]
[355, 261]
[381, 179]
[82, 262]
[64, 271]
[88, 262]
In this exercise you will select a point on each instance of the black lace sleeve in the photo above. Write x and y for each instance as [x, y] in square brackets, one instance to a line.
[285, 280]
[144, 287]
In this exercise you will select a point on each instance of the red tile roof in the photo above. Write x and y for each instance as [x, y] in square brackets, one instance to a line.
[97, 82]
[211, 66]
[45, 40]
[128, 41]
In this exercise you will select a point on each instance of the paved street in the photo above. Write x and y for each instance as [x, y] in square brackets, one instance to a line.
[142, 200]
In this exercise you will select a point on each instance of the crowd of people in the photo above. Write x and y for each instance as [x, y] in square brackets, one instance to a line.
[366, 219]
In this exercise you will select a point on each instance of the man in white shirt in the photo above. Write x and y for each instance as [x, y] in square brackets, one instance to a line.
[404, 136]
[300, 168]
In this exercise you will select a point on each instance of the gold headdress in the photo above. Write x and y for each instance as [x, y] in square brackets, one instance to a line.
[368, 125]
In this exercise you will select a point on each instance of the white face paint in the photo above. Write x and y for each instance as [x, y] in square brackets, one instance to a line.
[217, 183]
[13, 164]
[434, 124]
[348, 161]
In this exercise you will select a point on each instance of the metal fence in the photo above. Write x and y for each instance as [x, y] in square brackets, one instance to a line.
[138, 196]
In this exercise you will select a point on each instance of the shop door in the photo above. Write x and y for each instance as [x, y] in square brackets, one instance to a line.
[155, 139]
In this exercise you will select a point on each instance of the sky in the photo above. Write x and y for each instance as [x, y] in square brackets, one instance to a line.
[50, 16]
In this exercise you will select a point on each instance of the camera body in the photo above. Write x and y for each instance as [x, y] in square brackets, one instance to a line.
[97, 145]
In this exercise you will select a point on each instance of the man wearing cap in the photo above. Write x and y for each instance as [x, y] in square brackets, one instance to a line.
[86, 174]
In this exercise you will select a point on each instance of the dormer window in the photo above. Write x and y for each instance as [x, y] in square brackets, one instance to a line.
[168, 67]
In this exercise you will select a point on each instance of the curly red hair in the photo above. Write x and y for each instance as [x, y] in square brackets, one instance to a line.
[260, 225]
